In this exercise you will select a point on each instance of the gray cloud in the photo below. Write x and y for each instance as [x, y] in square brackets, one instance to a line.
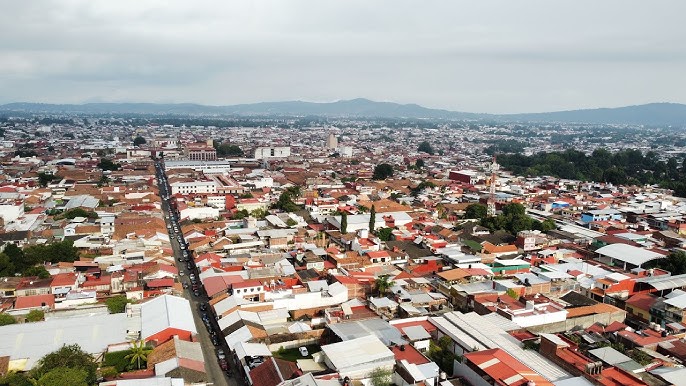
[485, 56]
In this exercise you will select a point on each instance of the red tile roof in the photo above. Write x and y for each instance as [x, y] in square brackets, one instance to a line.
[63, 279]
[410, 354]
[504, 369]
[35, 301]
[247, 284]
[273, 371]
[161, 283]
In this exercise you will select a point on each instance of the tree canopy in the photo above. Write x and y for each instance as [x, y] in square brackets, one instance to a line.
[72, 357]
[674, 263]
[624, 167]
[108, 164]
[442, 353]
[285, 202]
[514, 219]
[385, 234]
[344, 222]
[6, 319]
[139, 141]
[372, 218]
[477, 211]
[139, 354]
[382, 171]
[116, 304]
[383, 284]
[35, 316]
[381, 377]
[425, 147]
[228, 150]
[61, 376]
[26, 262]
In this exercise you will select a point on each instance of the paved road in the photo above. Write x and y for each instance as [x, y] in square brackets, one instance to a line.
[215, 375]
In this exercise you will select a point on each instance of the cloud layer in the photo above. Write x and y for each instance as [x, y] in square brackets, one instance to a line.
[484, 56]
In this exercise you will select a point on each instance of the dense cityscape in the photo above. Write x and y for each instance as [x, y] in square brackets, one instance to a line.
[326, 251]
[342, 193]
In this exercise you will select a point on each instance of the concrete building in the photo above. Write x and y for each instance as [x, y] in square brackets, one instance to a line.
[332, 141]
[356, 358]
[272, 152]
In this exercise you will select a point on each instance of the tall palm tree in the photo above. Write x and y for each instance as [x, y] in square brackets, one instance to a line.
[383, 284]
[139, 352]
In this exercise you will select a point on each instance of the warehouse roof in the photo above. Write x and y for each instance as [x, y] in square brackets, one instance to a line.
[629, 254]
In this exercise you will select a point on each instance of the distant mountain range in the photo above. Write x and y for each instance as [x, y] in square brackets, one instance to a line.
[659, 114]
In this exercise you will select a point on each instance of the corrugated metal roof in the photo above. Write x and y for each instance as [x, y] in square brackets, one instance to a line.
[34, 340]
[664, 282]
[629, 254]
[490, 335]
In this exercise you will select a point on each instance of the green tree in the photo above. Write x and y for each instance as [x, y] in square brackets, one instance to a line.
[382, 171]
[108, 164]
[674, 263]
[381, 377]
[116, 304]
[62, 376]
[291, 223]
[6, 319]
[70, 356]
[420, 187]
[63, 251]
[44, 178]
[240, 214]
[441, 352]
[419, 163]
[139, 353]
[344, 222]
[372, 218]
[548, 225]
[80, 212]
[294, 191]
[425, 147]
[139, 141]
[286, 204]
[514, 209]
[228, 150]
[36, 270]
[383, 284]
[35, 316]
[6, 266]
[385, 234]
[16, 379]
[259, 213]
[476, 211]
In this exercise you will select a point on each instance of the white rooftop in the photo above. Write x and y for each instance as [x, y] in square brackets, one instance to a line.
[166, 312]
[32, 341]
[357, 351]
[629, 254]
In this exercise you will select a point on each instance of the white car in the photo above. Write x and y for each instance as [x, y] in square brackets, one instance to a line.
[303, 351]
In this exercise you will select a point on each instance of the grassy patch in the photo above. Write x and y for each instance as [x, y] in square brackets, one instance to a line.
[293, 354]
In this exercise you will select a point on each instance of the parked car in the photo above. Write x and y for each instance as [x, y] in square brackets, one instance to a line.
[221, 354]
[303, 351]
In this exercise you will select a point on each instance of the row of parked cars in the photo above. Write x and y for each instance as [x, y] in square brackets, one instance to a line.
[185, 261]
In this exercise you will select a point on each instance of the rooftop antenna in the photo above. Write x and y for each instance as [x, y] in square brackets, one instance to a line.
[491, 196]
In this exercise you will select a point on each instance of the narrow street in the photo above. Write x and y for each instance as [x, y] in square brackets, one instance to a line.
[215, 375]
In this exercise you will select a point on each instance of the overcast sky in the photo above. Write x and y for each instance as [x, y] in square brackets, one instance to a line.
[477, 56]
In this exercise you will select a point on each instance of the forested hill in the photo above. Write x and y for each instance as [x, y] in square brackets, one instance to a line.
[626, 167]
[653, 114]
